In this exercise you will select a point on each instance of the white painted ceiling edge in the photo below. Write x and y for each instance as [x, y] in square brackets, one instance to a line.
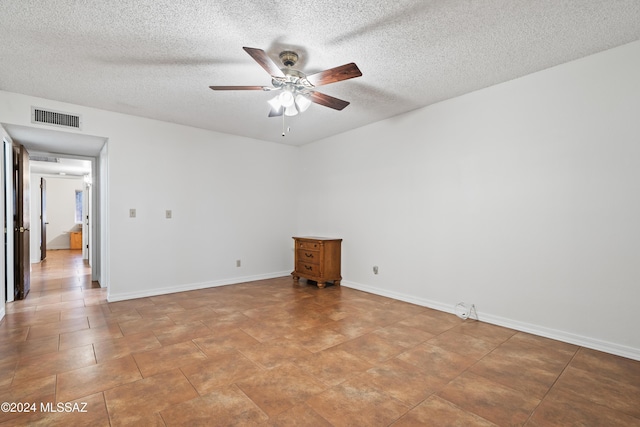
[156, 58]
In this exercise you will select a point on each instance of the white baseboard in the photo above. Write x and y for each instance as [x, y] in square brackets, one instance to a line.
[2, 311]
[192, 286]
[568, 337]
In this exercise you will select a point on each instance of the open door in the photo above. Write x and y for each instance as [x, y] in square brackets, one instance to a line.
[22, 222]
[43, 219]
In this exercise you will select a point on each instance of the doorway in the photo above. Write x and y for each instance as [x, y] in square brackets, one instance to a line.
[61, 206]
[90, 226]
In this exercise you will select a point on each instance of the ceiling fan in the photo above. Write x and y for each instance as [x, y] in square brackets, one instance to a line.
[297, 89]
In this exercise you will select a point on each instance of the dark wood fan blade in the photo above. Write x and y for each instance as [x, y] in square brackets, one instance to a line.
[261, 57]
[337, 74]
[239, 87]
[328, 101]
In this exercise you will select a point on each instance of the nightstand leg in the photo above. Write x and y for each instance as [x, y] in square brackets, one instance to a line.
[296, 279]
[337, 283]
[321, 285]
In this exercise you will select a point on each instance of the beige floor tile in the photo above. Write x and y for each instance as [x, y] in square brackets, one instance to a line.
[607, 365]
[518, 373]
[89, 336]
[174, 334]
[317, 339]
[54, 363]
[226, 406]
[560, 409]
[485, 331]
[372, 348]
[92, 379]
[124, 346]
[333, 366]
[354, 403]
[437, 362]
[281, 388]
[167, 358]
[401, 380]
[139, 402]
[405, 336]
[225, 342]
[211, 374]
[463, 344]
[56, 328]
[276, 352]
[435, 411]
[86, 411]
[300, 415]
[489, 400]
[601, 390]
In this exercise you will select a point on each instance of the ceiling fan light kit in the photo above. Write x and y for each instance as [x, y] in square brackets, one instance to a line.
[297, 88]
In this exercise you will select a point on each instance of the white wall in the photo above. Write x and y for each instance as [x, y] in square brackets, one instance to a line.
[522, 198]
[231, 199]
[61, 206]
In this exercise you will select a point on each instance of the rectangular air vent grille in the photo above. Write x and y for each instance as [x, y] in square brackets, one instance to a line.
[39, 115]
[37, 158]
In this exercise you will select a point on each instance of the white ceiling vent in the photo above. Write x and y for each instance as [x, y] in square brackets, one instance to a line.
[57, 118]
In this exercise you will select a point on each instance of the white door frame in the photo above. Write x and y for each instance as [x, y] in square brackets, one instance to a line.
[7, 179]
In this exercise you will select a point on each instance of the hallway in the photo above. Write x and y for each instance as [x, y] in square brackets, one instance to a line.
[66, 275]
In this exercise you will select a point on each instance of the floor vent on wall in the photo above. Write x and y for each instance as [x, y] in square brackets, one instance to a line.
[39, 115]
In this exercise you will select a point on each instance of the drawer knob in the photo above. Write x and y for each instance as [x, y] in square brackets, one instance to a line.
[308, 255]
[307, 267]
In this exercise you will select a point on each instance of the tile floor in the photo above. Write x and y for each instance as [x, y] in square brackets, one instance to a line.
[276, 354]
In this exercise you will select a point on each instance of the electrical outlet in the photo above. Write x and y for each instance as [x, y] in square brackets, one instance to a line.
[375, 269]
[132, 213]
[167, 214]
[238, 263]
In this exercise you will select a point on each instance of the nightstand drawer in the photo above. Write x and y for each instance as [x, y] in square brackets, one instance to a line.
[308, 245]
[306, 268]
[307, 256]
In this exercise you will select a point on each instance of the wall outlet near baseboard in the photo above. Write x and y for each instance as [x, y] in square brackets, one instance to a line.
[238, 263]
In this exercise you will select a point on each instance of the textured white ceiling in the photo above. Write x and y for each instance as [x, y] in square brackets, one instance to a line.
[156, 58]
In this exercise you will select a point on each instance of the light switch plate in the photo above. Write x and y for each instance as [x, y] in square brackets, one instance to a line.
[132, 213]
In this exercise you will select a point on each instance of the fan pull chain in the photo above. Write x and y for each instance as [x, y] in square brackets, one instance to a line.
[288, 127]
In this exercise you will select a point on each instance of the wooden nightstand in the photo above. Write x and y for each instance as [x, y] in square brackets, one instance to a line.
[75, 240]
[317, 259]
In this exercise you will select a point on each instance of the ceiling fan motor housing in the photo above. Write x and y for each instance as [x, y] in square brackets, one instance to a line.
[288, 58]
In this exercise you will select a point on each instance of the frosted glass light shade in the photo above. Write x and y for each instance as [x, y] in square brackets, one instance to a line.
[302, 102]
[286, 99]
[291, 110]
[275, 102]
